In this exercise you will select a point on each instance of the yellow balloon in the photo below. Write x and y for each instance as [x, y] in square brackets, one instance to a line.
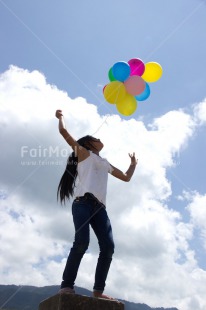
[114, 92]
[127, 105]
[152, 73]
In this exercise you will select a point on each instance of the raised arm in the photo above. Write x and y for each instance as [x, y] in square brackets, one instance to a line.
[129, 173]
[80, 151]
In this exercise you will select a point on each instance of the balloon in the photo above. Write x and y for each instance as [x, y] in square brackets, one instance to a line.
[128, 83]
[110, 75]
[144, 95]
[127, 105]
[104, 88]
[137, 66]
[153, 72]
[134, 85]
[121, 71]
[114, 91]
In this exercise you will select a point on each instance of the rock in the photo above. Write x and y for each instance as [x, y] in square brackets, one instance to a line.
[79, 302]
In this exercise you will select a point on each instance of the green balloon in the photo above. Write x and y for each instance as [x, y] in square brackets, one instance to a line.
[110, 74]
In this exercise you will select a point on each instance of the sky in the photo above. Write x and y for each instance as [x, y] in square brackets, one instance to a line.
[56, 55]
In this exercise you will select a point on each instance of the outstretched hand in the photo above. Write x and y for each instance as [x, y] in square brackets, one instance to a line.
[133, 159]
[58, 113]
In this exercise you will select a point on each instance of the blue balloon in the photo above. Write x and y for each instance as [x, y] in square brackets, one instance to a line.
[121, 71]
[145, 94]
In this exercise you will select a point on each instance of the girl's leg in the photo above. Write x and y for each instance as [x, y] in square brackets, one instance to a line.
[103, 230]
[81, 216]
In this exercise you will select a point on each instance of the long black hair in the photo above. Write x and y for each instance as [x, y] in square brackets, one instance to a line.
[67, 183]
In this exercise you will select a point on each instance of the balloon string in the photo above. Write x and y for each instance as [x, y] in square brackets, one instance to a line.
[107, 115]
[115, 101]
[19, 288]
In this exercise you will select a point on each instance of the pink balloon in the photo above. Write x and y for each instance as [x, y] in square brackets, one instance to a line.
[137, 66]
[135, 85]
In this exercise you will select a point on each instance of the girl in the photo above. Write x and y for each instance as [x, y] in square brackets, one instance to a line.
[88, 207]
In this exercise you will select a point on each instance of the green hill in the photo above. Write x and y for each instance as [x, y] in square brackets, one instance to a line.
[13, 297]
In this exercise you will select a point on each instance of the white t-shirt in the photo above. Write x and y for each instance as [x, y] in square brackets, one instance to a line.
[93, 176]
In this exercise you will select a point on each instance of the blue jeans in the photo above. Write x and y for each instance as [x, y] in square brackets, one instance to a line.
[87, 210]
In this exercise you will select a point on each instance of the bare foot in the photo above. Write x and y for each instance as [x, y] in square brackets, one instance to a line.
[100, 295]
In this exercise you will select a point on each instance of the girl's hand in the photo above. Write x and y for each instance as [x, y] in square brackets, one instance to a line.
[133, 159]
[58, 113]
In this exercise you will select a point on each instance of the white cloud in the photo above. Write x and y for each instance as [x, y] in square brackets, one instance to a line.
[153, 262]
[200, 112]
[197, 210]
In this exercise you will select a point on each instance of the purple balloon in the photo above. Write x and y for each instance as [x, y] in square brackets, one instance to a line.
[137, 66]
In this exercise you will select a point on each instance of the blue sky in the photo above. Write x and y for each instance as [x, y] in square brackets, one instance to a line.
[75, 44]
[57, 54]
